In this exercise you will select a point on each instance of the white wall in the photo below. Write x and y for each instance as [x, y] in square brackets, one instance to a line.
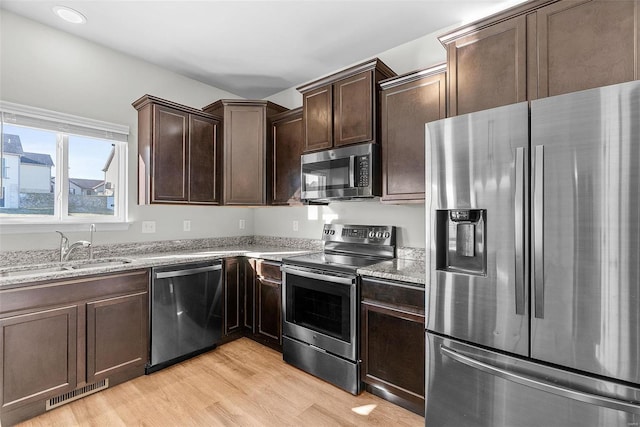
[47, 68]
[278, 221]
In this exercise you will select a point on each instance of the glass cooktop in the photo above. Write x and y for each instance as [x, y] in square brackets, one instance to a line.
[328, 261]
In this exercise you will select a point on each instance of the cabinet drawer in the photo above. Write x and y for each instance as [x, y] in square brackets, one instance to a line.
[392, 293]
[268, 270]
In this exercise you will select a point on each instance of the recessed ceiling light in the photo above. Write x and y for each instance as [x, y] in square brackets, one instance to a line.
[69, 14]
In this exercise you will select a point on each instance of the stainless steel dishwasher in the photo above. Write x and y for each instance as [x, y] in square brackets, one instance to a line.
[186, 312]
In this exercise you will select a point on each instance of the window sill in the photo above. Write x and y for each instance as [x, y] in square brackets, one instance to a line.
[46, 227]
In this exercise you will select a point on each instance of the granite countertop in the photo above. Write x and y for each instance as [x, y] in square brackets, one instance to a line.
[403, 270]
[16, 276]
[39, 267]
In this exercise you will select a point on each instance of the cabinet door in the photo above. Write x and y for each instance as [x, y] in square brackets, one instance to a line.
[353, 102]
[269, 309]
[232, 296]
[287, 149]
[393, 352]
[203, 154]
[247, 279]
[318, 118]
[116, 335]
[244, 155]
[38, 355]
[488, 68]
[586, 44]
[170, 145]
[405, 110]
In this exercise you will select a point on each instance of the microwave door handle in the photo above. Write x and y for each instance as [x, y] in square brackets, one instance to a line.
[352, 171]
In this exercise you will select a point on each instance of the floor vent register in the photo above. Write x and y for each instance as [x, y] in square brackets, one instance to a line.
[76, 394]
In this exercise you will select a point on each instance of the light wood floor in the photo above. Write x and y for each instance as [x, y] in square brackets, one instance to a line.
[240, 383]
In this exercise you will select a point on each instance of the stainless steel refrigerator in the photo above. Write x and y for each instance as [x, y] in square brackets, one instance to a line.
[533, 231]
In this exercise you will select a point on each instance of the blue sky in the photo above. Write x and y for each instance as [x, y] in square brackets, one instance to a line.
[87, 156]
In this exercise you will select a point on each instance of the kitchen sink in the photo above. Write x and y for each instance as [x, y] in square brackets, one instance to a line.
[101, 262]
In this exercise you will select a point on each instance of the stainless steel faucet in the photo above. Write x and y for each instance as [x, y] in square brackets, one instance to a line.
[92, 229]
[65, 249]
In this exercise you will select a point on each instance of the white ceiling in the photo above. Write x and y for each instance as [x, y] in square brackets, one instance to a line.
[256, 48]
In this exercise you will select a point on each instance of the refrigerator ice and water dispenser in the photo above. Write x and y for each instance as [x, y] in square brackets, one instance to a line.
[461, 241]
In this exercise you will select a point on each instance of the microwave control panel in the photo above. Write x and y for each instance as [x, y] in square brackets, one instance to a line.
[362, 171]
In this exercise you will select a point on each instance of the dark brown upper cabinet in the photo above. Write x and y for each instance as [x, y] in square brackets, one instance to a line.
[584, 44]
[246, 149]
[287, 149]
[177, 153]
[342, 109]
[487, 68]
[541, 48]
[407, 103]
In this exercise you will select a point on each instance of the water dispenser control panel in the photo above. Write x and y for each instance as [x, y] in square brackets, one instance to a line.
[461, 241]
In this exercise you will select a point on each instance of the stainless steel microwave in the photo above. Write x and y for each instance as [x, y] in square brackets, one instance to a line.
[346, 173]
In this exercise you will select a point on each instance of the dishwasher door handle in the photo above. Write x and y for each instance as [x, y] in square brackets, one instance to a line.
[179, 273]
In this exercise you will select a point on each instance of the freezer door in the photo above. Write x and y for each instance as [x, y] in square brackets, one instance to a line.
[476, 226]
[471, 387]
[586, 230]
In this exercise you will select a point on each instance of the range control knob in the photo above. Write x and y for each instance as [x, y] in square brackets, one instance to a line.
[332, 232]
[379, 234]
[387, 234]
[372, 234]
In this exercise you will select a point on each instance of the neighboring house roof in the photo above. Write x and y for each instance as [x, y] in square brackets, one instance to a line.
[88, 184]
[36, 159]
[11, 144]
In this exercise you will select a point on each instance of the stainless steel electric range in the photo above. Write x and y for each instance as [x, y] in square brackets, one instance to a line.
[320, 297]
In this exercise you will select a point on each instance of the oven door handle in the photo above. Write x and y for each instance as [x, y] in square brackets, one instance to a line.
[324, 276]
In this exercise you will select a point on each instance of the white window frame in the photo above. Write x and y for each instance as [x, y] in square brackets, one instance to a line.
[65, 125]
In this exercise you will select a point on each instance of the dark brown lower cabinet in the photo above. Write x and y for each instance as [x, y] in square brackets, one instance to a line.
[38, 355]
[253, 308]
[393, 342]
[269, 303]
[64, 335]
[233, 295]
[116, 334]
[268, 308]
[238, 298]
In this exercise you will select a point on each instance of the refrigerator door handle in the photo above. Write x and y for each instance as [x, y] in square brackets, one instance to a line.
[519, 231]
[538, 232]
[542, 385]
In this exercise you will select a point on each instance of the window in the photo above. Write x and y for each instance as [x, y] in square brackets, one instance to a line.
[61, 168]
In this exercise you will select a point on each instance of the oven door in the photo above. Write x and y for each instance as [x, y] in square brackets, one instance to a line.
[320, 309]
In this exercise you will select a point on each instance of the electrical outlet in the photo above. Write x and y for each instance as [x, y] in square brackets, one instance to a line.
[295, 225]
[148, 226]
[186, 225]
[241, 224]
